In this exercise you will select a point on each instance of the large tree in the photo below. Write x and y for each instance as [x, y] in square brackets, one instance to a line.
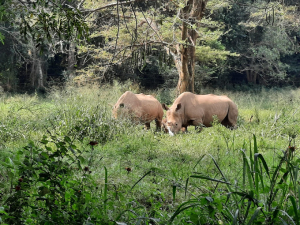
[263, 33]
[41, 28]
[135, 30]
[129, 31]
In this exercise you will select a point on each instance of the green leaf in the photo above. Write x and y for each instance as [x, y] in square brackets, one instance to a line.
[140, 179]
[174, 192]
[186, 186]
[254, 216]
[67, 139]
[75, 207]
[292, 199]
[208, 178]
[43, 191]
[81, 159]
[247, 171]
[198, 161]
[181, 209]
[235, 219]
[45, 155]
[105, 189]
[258, 155]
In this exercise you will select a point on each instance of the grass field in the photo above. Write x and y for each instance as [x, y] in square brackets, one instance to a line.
[51, 173]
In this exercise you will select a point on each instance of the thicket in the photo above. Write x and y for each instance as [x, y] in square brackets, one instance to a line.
[65, 160]
[240, 43]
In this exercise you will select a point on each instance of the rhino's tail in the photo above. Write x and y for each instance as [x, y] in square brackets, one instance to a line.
[232, 114]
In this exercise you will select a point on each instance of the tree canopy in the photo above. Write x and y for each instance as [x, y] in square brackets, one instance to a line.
[196, 43]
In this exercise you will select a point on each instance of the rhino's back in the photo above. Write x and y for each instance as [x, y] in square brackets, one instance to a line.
[203, 107]
[129, 98]
[151, 106]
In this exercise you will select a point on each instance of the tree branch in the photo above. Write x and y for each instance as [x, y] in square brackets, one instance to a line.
[107, 6]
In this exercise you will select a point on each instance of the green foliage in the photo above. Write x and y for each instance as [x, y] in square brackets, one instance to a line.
[2, 38]
[259, 194]
[36, 21]
[84, 167]
[262, 37]
[51, 185]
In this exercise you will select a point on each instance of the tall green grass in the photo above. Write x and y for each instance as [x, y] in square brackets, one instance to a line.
[218, 176]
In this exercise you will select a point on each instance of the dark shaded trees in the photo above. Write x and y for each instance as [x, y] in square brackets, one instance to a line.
[195, 37]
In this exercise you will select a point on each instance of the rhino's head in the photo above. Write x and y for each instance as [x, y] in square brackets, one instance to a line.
[174, 119]
[121, 111]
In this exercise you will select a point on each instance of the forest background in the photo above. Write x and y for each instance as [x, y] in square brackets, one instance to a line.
[65, 160]
[156, 44]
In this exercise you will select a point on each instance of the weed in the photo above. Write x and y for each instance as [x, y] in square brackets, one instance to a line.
[79, 165]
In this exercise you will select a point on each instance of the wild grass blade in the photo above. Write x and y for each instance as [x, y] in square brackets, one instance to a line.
[273, 184]
[261, 176]
[284, 177]
[288, 216]
[254, 216]
[247, 210]
[140, 179]
[255, 144]
[251, 159]
[247, 171]
[226, 181]
[123, 212]
[229, 215]
[298, 197]
[276, 172]
[186, 185]
[235, 219]
[105, 190]
[244, 168]
[174, 192]
[198, 161]
[209, 178]
[256, 171]
[180, 209]
[292, 199]
[216, 164]
[275, 214]
[283, 221]
[258, 155]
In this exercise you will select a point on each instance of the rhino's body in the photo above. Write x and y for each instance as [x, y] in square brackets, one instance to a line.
[139, 108]
[191, 109]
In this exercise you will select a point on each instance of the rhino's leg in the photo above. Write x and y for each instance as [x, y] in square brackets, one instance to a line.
[158, 124]
[198, 125]
[147, 126]
[232, 114]
[184, 129]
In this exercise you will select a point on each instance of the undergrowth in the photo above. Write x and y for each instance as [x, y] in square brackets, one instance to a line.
[65, 160]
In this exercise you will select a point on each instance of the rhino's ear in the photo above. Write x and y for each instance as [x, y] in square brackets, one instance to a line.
[164, 106]
[178, 106]
[122, 105]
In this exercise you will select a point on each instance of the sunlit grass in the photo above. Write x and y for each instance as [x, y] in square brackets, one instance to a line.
[83, 113]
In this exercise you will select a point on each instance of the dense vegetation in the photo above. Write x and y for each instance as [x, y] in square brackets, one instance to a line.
[65, 160]
[209, 43]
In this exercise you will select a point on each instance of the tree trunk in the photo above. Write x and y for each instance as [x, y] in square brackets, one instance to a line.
[37, 74]
[184, 75]
[71, 60]
[191, 14]
[40, 76]
[251, 77]
[184, 55]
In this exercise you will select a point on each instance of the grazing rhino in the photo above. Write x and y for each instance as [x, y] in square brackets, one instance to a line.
[164, 127]
[190, 109]
[139, 108]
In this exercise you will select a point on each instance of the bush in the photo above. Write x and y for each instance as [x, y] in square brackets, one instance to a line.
[52, 185]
